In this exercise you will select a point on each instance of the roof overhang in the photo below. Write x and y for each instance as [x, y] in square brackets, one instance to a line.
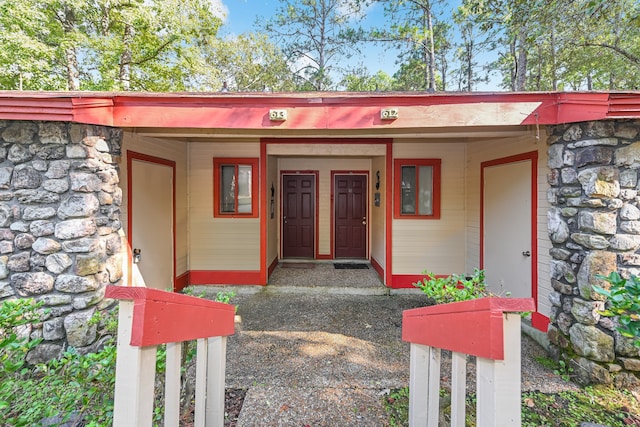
[198, 115]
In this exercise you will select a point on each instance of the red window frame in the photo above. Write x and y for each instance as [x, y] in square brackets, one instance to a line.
[397, 186]
[226, 161]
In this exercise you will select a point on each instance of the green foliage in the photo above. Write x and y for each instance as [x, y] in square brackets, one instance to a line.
[604, 405]
[560, 367]
[396, 405]
[72, 385]
[623, 300]
[316, 36]
[442, 290]
[13, 345]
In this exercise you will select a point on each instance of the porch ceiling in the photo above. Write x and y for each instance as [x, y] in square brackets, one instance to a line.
[448, 134]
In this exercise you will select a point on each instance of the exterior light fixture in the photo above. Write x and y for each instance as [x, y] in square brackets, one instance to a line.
[390, 113]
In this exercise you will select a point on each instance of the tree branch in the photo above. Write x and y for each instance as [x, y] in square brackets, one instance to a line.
[631, 57]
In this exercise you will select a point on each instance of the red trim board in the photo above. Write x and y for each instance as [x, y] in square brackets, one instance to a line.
[333, 208]
[316, 190]
[389, 217]
[182, 282]
[531, 156]
[264, 214]
[226, 277]
[131, 156]
[473, 327]
[378, 268]
[161, 317]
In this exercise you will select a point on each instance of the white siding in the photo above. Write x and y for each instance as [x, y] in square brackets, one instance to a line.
[377, 217]
[544, 243]
[169, 150]
[482, 151]
[437, 245]
[272, 223]
[219, 243]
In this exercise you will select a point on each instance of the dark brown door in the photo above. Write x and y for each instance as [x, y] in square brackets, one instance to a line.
[350, 197]
[298, 216]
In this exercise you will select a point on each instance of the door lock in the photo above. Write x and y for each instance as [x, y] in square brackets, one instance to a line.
[526, 253]
[137, 254]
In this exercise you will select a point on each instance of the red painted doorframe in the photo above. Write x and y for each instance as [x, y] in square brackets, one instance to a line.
[131, 156]
[385, 271]
[538, 320]
[333, 208]
[316, 175]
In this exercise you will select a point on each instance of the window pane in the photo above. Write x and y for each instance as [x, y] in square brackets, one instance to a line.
[228, 188]
[425, 190]
[408, 195]
[244, 189]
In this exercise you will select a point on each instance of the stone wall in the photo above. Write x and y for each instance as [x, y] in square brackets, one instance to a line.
[594, 225]
[59, 226]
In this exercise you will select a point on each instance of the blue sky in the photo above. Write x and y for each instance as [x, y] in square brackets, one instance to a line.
[241, 16]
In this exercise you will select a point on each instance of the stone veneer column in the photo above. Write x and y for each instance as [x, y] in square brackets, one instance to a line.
[594, 225]
[59, 226]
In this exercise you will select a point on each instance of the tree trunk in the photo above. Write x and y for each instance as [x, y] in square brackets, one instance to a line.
[469, 65]
[554, 65]
[521, 65]
[432, 50]
[71, 58]
[514, 68]
[125, 58]
[73, 76]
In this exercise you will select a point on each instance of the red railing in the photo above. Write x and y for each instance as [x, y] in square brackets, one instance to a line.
[488, 328]
[150, 317]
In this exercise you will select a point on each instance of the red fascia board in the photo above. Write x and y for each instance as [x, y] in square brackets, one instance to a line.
[97, 111]
[472, 327]
[624, 105]
[326, 110]
[161, 317]
[570, 107]
[43, 109]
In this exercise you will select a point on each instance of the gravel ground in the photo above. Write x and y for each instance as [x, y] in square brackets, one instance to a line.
[327, 360]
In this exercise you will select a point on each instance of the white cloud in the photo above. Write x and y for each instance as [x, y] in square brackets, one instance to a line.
[219, 9]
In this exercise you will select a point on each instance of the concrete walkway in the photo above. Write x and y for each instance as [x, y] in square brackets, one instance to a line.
[317, 360]
[321, 347]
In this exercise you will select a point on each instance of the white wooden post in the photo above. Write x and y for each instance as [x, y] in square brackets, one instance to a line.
[418, 385]
[424, 386]
[458, 388]
[135, 376]
[201, 383]
[216, 364]
[172, 385]
[498, 381]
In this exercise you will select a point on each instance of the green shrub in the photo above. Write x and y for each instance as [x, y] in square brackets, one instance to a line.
[623, 300]
[73, 385]
[442, 290]
[13, 347]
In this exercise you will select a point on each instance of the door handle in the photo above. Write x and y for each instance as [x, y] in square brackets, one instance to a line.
[137, 254]
[526, 253]
[284, 219]
[364, 220]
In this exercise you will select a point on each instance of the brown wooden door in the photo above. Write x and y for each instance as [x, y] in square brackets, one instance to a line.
[350, 195]
[298, 216]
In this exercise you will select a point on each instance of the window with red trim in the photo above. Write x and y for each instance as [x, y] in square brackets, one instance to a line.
[416, 188]
[235, 187]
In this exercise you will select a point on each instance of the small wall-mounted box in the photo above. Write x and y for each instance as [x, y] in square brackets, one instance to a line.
[389, 113]
[278, 115]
